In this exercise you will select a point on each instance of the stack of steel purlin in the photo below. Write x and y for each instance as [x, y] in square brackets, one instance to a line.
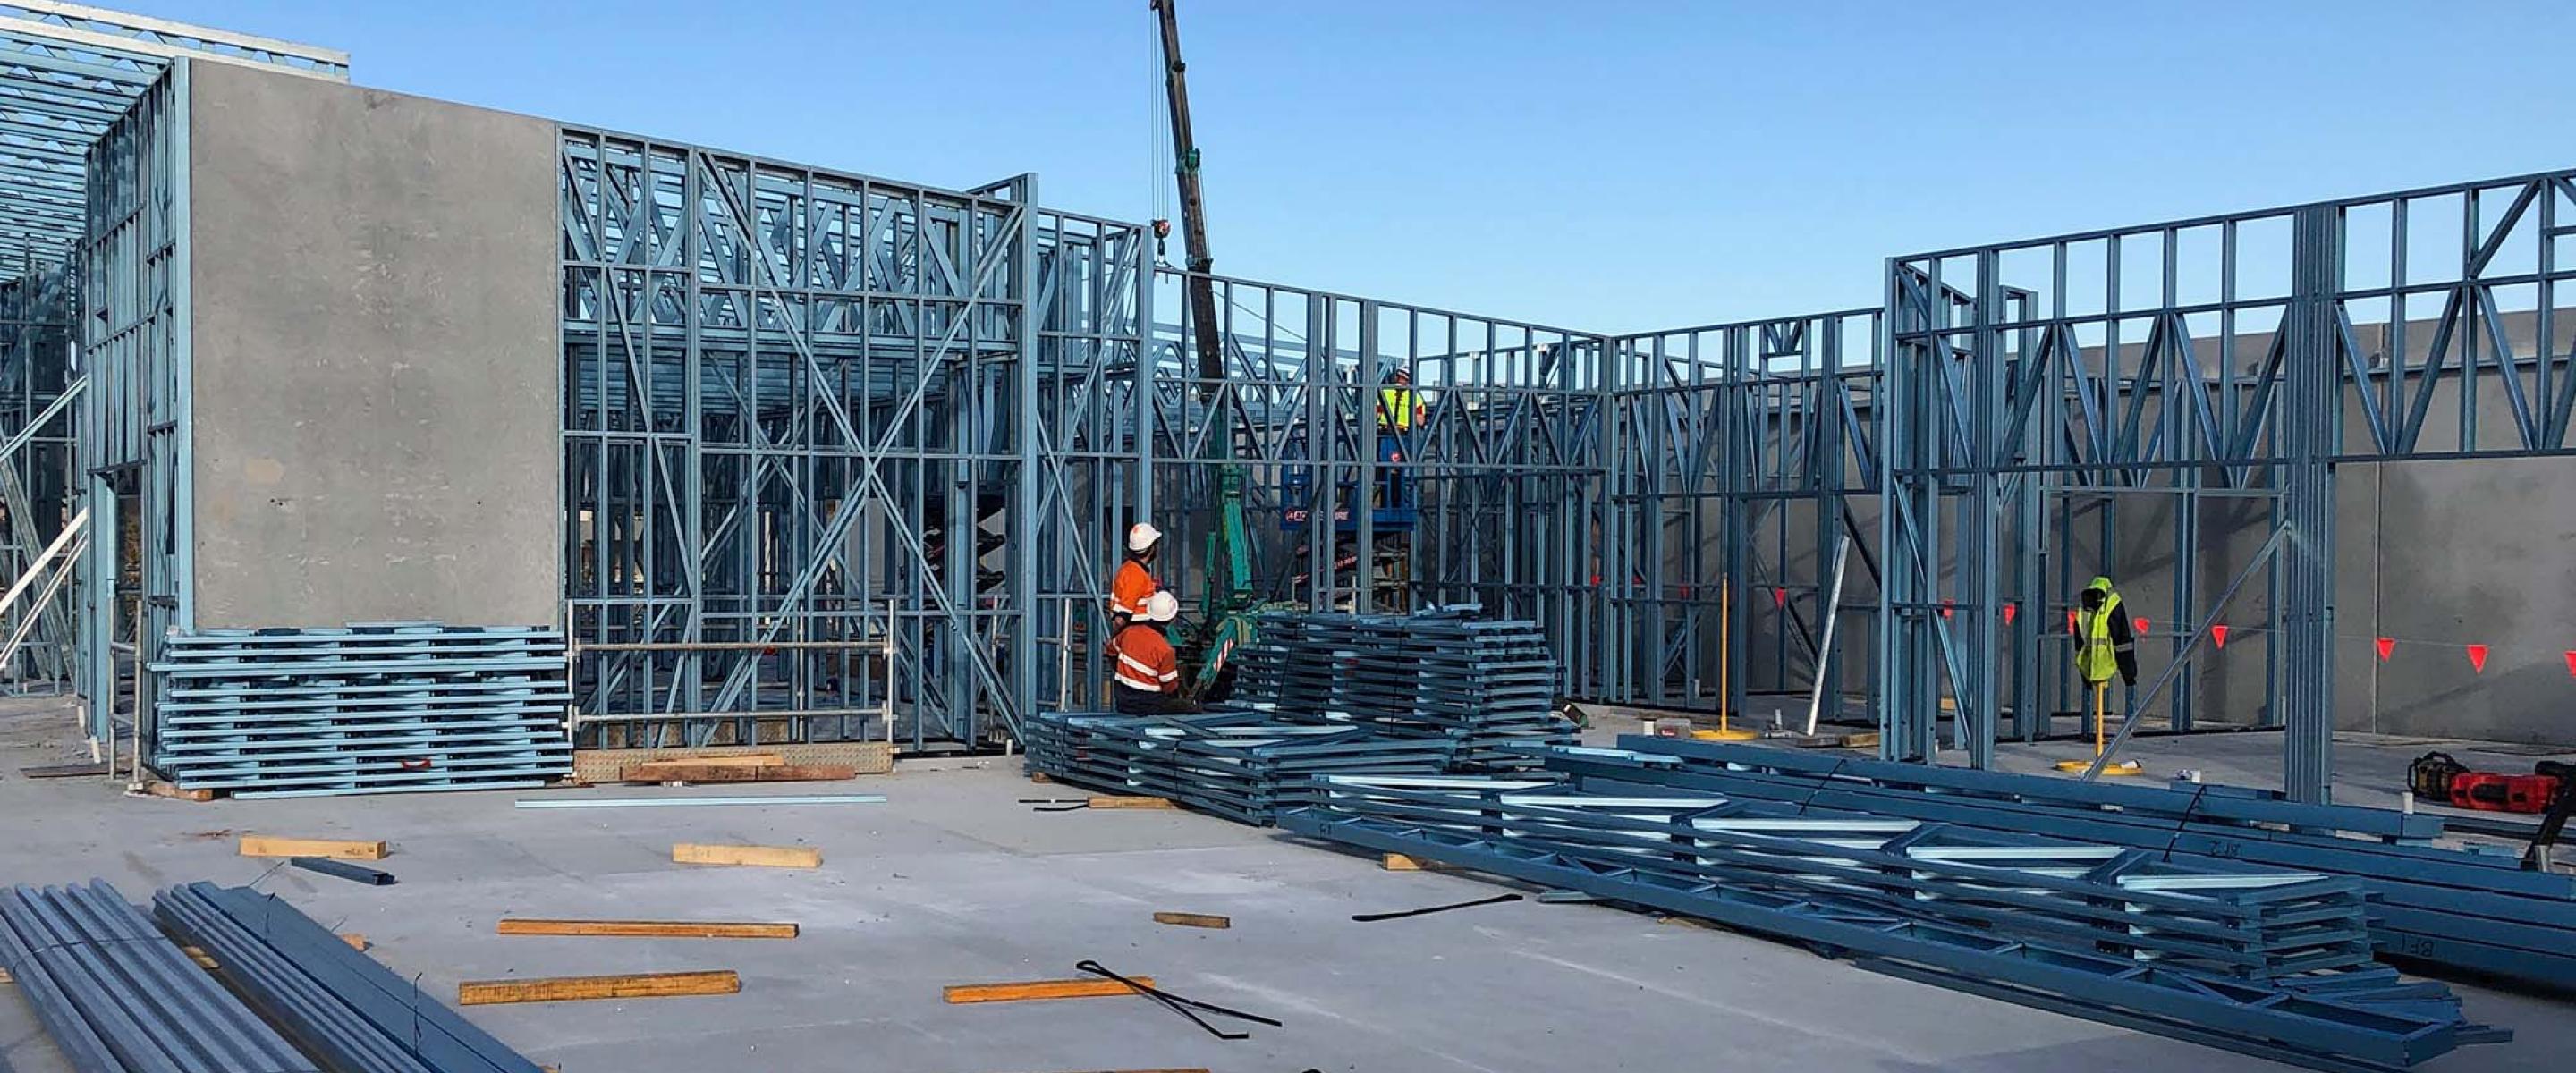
[1444, 674]
[1239, 765]
[1321, 693]
[373, 708]
[337, 1002]
[2431, 903]
[116, 995]
[2260, 960]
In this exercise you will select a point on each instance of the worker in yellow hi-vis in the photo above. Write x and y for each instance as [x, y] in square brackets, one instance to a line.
[2105, 646]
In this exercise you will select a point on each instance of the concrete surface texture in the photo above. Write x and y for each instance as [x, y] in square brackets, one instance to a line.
[953, 881]
[376, 366]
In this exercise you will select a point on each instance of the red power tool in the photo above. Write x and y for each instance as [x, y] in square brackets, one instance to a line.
[2443, 780]
[2549, 789]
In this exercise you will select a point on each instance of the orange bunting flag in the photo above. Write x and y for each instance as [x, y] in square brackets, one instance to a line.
[2478, 658]
[2070, 622]
[2218, 636]
[2010, 608]
[2386, 646]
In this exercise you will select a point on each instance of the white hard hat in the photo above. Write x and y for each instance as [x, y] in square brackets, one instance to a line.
[1142, 535]
[1162, 607]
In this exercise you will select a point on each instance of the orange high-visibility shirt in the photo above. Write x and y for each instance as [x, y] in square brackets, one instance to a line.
[1145, 660]
[1130, 588]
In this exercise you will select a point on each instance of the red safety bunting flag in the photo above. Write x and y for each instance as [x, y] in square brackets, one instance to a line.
[1948, 605]
[2218, 636]
[2070, 620]
[2571, 663]
[1779, 597]
[2478, 658]
[2009, 609]
[2386, 646]
[2139, 622]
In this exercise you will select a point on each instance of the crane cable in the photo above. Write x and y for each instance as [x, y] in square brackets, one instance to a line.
[1158, 129]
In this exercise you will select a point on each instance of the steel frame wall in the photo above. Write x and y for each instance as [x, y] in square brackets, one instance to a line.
[807, 409]
[1746, 455]
[800, 407]
[2215, 357]
[1508, 464]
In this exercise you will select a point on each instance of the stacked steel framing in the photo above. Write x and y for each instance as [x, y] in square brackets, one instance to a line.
[376, 707]
[2249, 958]
[2482, 912]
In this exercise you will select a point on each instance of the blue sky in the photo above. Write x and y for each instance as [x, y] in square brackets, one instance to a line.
[1602, 166]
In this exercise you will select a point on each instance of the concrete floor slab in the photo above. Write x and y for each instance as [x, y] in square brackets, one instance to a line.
[953, 881]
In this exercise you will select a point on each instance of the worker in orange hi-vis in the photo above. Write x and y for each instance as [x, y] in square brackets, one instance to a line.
[1147, 680]
[1134, 583]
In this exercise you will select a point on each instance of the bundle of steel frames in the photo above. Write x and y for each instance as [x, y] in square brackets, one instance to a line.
[2248, 958]
[1433, 674]
[336, 1001]
[1242, 766]
[116, 995]
[2459, 907]
[373, 708]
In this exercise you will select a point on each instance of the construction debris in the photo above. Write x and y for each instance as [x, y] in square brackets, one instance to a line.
[613, 765]
[1175, 1003]
[343, 870]
[1368, 918]
[351, 850]
[646, 929]
[676, 771]
[61, 771]
[1030, 990]
[682, 802]
[757, 856]
[1131, 803]
[1194, 920]
[585, 988]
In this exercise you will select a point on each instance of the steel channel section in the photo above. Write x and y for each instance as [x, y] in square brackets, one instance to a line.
[132, 990]
[324, 992]
[2368, 1020]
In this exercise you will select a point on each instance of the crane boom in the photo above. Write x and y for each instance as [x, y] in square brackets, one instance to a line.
[1185, 169]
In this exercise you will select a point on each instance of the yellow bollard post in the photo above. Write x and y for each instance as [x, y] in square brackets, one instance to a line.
[1725, 660]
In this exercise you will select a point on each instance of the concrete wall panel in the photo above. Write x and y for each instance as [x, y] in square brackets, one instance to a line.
[376, 356]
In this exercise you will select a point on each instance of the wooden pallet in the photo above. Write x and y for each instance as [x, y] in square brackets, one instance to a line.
[609, 765]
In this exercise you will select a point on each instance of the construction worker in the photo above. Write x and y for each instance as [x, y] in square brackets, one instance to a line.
[1399, 408]
[1134, 583]
[1147, 679]
[2106, 643]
